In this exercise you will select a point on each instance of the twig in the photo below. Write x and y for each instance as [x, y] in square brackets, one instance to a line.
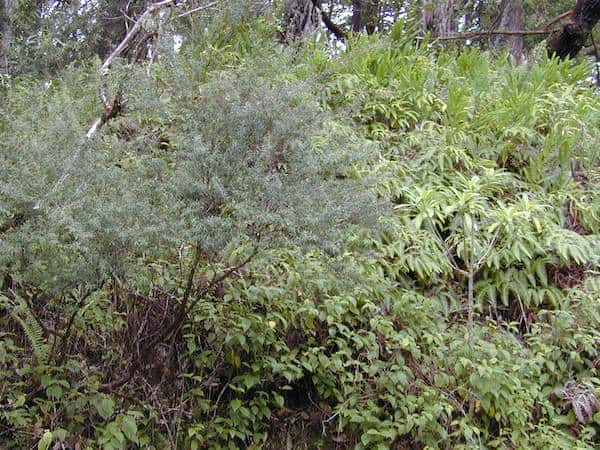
[192, 274]
[67, 333]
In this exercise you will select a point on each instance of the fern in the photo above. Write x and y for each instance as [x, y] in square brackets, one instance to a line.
[20, 312]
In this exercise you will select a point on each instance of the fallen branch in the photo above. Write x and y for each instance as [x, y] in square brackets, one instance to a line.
[537, 32]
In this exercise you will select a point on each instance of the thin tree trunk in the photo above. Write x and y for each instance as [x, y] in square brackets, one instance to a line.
[427, 22]
[365, 15]
[370, 15]
[511, 20]
[356, 16]
[8, 9]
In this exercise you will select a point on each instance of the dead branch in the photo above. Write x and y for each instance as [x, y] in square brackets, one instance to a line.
[199, 8]
[484, 34]
[132, 32]
[537, 32]
[557, 19]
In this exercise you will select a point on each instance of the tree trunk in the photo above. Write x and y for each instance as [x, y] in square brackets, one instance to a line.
[365, 15]
[570, 39]
[8, 9]
[511, 19]
[427, 22]
[301, 18]
[356, 16]
[437, 17]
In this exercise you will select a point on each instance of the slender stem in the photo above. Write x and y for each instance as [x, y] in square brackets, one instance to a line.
[470, 293]
[471, 287]
[192, 274]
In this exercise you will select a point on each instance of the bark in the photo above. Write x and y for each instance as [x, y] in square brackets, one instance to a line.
[301, 18]
[437, 17]
[370, 15]
[356, 15]
[568, 41]
[365, 15]
[511, 19]
[444, 16]
[427, 22]
[8, 9]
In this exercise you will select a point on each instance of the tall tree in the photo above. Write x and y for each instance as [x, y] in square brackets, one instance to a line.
[510, 18]
[437, 17]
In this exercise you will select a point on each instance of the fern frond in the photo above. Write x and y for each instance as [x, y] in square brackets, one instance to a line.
[20, 312]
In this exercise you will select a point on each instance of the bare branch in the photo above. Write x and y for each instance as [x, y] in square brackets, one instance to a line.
[199, 8]
[557, 19]
[132, 32]
[485, 34]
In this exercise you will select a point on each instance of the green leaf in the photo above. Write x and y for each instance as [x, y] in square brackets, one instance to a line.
[45, 441]
[235, 404]
[129, 428]
[54, 391]
[105, 407]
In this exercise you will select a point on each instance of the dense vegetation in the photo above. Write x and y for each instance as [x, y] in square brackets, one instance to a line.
[392, 246]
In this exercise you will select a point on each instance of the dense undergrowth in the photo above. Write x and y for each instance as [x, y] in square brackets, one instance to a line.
[276, 248]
